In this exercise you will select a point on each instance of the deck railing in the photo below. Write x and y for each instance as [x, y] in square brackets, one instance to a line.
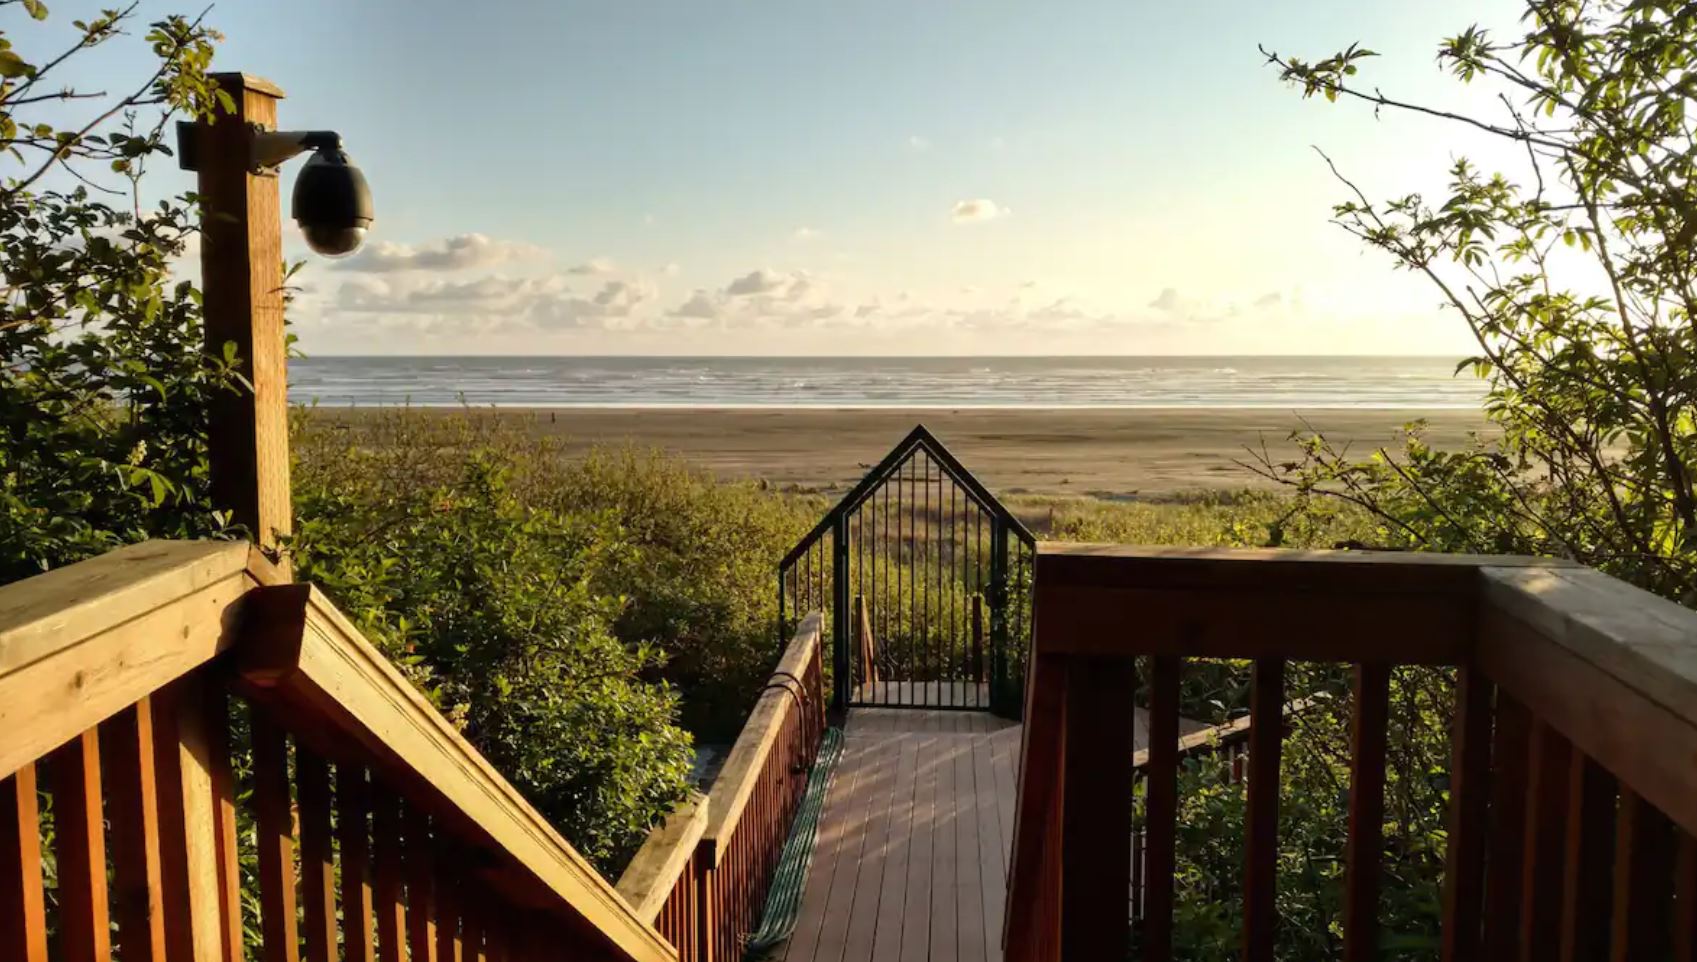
[704, 875]
[190, 720]
[1573, 786]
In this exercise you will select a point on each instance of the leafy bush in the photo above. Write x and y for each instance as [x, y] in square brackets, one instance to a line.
[495, 606]
[1314, 827]
[104, 383]
[701, 582]
[1573, 275]
[696, 576]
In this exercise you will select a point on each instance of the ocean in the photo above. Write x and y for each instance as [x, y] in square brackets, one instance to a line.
[1413, 383]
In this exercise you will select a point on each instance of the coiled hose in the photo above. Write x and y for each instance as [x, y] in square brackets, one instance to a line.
[783, 900]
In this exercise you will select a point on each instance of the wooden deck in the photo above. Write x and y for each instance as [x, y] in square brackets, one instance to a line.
[912, 856]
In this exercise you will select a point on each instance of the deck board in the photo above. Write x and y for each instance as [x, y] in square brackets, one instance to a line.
[912, 855]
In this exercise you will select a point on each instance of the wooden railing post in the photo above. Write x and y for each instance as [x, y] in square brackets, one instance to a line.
[1096, 778]
[242, 285]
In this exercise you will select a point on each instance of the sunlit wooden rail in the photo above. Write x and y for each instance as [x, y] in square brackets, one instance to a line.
[1573, 788]
[704, 875]
[189, 719]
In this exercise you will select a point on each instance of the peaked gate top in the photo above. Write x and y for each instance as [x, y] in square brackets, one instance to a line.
[923, 576]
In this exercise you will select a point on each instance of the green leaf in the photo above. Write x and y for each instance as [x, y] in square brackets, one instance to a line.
[12, 65]
[36, 9]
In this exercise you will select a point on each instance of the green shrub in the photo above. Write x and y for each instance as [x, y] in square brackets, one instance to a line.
[702, 581]
[495, 606]
[104, 385]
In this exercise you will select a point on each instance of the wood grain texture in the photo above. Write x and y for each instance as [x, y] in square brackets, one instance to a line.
[1096, 808]
[654, 871]
[353, 838]
[388, 892]
[317, 859]
[304, 658]
[1160, 773]
[1261, 824]
[85, 933]
[23, 914]
[274, 836]
[199, 861]
[1365, 847]
[1468, 817]
[80, 644]
[1641, 923]
[1511, 741]
[898, 873]
[421, 887]
[242, 293]
[1549, 755]
[1588, 857]
[127, 759]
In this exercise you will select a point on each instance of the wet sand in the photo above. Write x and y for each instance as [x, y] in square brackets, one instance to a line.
[1100, 453]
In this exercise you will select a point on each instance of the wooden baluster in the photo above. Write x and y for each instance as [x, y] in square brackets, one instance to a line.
[1507, 842]
[200, 868]
[1266, 737]
[353, 808]
[85, 933]
[1470, 775]
[1366, 843]
[386, 876]
[1545, 828]
[318, 869]
[23, 913]
[1642, 880]
[1161, 807]
[1588, 856]
[448, 865]
[421, 912]
[471, 929]
[127, 756]
[272, 811]
[495, 937]
[1096, 781]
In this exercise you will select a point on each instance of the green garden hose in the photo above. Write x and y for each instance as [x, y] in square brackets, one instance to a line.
[783, 900]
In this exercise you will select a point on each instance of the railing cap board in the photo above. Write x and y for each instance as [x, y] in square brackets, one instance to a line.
[303, 656]
[1336, 571]
[64, 607]
[82, 642]
[1646, 642]
[652, 873]
[736, 781]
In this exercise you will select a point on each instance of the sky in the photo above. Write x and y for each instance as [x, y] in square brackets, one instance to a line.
[865, 177]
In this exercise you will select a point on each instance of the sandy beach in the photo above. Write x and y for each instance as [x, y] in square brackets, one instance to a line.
[1095, 452]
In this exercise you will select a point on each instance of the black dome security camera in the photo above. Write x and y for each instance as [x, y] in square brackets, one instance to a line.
[332, 202]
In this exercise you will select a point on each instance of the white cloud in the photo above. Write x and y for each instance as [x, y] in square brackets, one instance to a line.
[493, 303]
[594, 266]
[804, 234]
[977, 210]
[1167, 300]
[917, 143]
[460, 252]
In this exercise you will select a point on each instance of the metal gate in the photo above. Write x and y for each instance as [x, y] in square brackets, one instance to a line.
[925, 581]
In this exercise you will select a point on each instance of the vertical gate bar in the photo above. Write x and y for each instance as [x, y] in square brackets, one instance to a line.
[840, 607]
[898, 614]
[954, 580]
[998, 609]
[884, 553]
[978, 568]
[927, 596]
